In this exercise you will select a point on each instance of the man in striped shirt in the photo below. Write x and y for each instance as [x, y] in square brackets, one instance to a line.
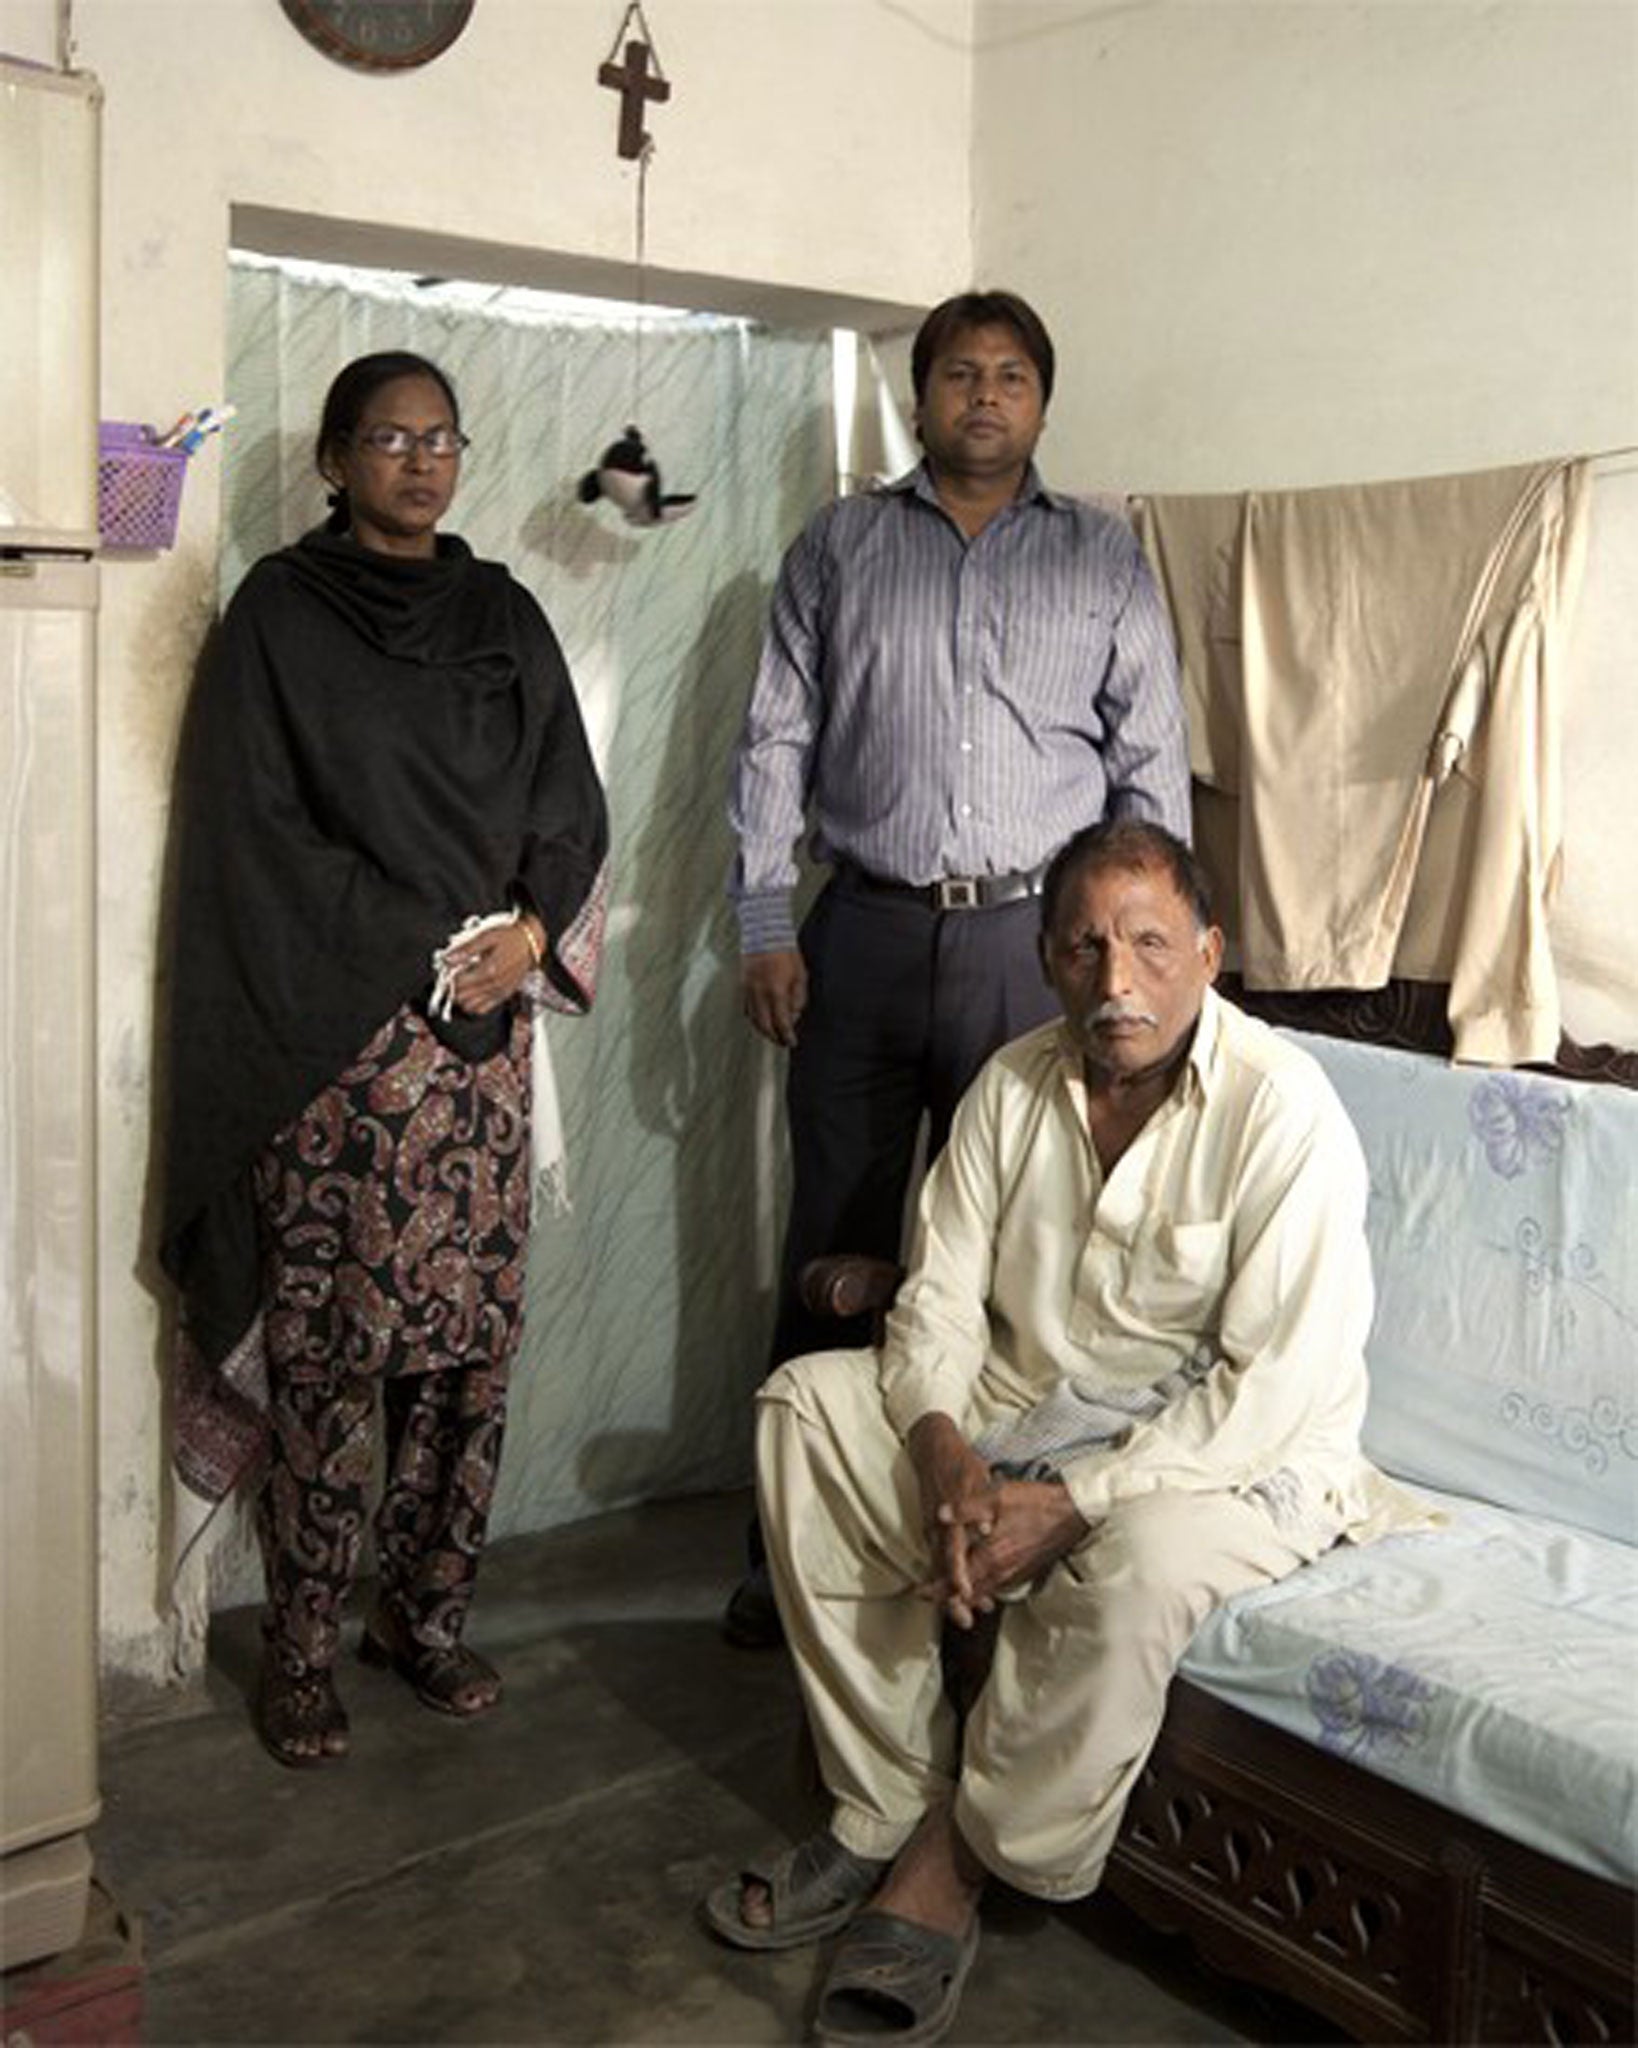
[960, 671]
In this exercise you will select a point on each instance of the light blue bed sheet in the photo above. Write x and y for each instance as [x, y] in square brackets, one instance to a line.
[1491, 1666]
[1504, 1238]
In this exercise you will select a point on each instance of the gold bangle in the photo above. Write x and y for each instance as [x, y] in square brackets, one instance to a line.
[537, 952]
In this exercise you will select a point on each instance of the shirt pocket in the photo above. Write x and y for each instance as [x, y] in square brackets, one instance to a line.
[1056, 653]
[1176, 1275]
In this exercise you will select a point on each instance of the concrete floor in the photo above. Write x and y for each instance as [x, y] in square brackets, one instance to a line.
[535, 1876]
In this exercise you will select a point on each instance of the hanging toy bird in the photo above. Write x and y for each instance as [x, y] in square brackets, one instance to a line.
[629, 477]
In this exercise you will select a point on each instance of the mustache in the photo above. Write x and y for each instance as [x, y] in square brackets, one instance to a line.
[1114, 1012]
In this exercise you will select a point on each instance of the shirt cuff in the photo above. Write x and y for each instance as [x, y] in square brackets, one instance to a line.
[912, 1392]
[1086, 1480]
[766, 924]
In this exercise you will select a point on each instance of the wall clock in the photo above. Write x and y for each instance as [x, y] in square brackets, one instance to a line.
[380, 35]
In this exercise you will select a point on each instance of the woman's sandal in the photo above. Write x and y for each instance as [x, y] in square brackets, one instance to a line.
[300, 1721]
[455, 1681]
[894, 1980]
[812, 1890]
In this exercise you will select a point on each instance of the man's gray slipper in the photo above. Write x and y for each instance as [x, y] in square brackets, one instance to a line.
[893, 1981]
[812, 1890]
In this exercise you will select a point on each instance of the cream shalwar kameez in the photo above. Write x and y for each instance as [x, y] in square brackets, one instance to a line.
[1228, 1242]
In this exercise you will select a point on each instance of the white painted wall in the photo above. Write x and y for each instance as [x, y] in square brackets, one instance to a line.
[1286, 242]
[790, 121]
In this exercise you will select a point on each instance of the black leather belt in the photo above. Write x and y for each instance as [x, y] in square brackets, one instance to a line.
[955, 892]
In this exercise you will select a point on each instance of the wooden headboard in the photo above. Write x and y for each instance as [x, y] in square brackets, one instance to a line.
[1412, 1016]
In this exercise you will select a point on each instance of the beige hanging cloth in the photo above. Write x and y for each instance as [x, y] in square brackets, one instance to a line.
[1344, 652]
[1193, 546]
[1393, 635]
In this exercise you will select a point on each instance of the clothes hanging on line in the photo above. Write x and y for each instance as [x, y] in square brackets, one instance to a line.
[1346, 651]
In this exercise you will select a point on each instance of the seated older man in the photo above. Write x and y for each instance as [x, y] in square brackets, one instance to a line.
[1123, 1381]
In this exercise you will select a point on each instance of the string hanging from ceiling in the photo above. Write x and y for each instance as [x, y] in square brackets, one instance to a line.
[625, 473]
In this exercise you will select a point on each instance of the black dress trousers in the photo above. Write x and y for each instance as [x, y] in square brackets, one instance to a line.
[905, 1004]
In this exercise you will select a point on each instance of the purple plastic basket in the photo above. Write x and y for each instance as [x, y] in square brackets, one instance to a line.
[139, 487]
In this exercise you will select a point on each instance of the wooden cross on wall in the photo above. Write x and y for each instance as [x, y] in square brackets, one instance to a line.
[635, 84]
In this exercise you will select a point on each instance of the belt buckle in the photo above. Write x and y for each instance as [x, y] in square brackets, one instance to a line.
[958, 892]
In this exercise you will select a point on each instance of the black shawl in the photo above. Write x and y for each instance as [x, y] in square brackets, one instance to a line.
[377, 748]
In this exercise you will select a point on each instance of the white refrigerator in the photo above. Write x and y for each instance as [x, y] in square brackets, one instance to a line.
[48, 1241]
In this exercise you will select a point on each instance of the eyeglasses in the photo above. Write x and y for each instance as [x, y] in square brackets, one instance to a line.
[441, 443]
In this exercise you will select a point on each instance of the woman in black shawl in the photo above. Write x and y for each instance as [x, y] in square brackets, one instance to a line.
[383, 750]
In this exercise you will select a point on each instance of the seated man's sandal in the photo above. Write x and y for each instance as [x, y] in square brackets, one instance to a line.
[894, 1981]
[812, 1889]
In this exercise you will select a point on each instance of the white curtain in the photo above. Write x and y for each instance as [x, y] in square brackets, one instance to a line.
[649, 1306]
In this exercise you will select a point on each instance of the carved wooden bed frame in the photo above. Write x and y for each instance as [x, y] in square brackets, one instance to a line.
[1394, 1917]
[1285, 1865]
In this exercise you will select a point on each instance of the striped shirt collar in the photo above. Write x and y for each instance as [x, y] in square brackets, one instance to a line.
[918, 482]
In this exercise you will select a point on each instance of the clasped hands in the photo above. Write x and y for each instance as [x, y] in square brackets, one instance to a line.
[985, 1535]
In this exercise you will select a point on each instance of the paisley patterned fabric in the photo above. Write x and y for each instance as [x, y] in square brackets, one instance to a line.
[444, 1432]
[396, 1213]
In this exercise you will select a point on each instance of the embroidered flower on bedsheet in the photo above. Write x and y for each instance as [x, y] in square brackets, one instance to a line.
[1519, 1123]
[1592, 1434]
[1568, 1278]
[1547, 1264]
[1363, 1705]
